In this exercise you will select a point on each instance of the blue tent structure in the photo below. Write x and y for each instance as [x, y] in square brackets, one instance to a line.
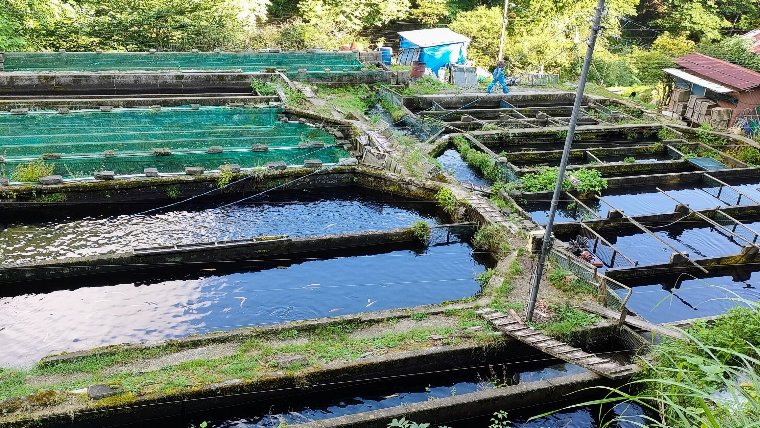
[436, 47]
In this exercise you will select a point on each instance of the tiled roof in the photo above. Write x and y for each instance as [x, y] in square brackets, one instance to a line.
[719, 71]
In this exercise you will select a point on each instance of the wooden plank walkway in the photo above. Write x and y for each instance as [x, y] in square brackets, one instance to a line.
[514, 327]
[632, 321]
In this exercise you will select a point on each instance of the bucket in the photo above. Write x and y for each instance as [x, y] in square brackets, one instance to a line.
[418, 69]
[386, 53]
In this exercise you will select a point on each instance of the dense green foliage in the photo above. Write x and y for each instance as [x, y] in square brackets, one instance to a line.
[479, 160]
[640, 38]
[708, 380]
[583, 180]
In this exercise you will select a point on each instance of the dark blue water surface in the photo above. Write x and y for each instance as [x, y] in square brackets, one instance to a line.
[697, 242]
[649, 201]
[118, 311]
[295, 213]
[687, 297]
[452, 162]
[381, 398]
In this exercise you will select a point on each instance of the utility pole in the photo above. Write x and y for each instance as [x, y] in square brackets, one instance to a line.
[504, 22]
[538, 273]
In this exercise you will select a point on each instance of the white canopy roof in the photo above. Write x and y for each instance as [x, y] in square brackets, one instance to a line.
[698, 80]
[433, 37]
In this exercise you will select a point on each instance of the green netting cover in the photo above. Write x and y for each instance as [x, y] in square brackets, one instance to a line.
[176, 163]
[123, 140]
[125, 61]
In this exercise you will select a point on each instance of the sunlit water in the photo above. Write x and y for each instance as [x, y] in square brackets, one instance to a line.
[686, 297]
[34, 323]
[452, 162]
[299, 213]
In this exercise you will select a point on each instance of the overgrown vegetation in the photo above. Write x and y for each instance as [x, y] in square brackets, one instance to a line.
[493, 238]
[566, 320]
[31, 172]
[565, 281]
[255, 358]
[422, 230]
[447, 201]
[426, 85]
[397, 113]
[583, 180]
[354, 100]
[709, 380]
[479, 160]
[263, 88]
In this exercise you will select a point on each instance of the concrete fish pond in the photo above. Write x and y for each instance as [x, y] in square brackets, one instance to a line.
[380, 395]
[296, 213]
[365, 254]
[219, 297]
[126, 141]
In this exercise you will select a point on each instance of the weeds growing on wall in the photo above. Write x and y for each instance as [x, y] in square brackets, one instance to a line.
[397, 113]
[566, 320]
[226, 176]
[493, 238]
[32, 171]
[355, 99]
[263, 88]
[748, 155]
[564, 280]
[665, 134]
[422, 231]
[294, 98]
[705, 136]
[425, 85]
[447, 201]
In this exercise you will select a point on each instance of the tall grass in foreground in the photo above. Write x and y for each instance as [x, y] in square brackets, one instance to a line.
[709, 380]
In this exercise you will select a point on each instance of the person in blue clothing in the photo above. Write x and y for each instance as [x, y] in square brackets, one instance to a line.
[498, 77]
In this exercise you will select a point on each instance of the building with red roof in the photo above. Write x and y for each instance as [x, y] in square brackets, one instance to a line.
[722, 84]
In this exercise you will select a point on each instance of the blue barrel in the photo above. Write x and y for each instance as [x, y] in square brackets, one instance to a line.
[386, 54]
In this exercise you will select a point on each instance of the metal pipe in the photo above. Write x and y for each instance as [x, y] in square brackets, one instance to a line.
[538, 273]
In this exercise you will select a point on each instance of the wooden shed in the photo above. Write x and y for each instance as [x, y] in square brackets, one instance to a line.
[713, 91]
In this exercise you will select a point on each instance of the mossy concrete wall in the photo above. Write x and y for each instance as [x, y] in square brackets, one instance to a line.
[165, 257]
[75, 102]
[117, 83]
[555, 392]
[141, 193]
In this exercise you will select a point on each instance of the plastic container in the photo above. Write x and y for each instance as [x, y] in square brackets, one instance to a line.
[386, 53]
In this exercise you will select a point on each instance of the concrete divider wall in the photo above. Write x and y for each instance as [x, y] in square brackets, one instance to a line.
[124, 83]
[140, 260]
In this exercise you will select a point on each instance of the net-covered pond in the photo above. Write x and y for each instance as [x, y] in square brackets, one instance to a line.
[125, 140]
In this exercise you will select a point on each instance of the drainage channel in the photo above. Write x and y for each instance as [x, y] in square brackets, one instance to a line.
[293, 213]
[86, 313]
[400, 392]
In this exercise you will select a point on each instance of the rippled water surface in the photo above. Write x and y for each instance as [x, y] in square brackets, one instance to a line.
[112, 311]
[687, 297]
[382, 398]
[452, 162]
[297, 213]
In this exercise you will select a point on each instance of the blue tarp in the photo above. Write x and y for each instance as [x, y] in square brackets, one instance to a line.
[452, 50]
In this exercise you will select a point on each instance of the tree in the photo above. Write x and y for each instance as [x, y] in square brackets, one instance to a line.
[430, 12]
[735, 50]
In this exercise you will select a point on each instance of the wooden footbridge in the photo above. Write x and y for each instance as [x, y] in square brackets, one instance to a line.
[511, 325]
